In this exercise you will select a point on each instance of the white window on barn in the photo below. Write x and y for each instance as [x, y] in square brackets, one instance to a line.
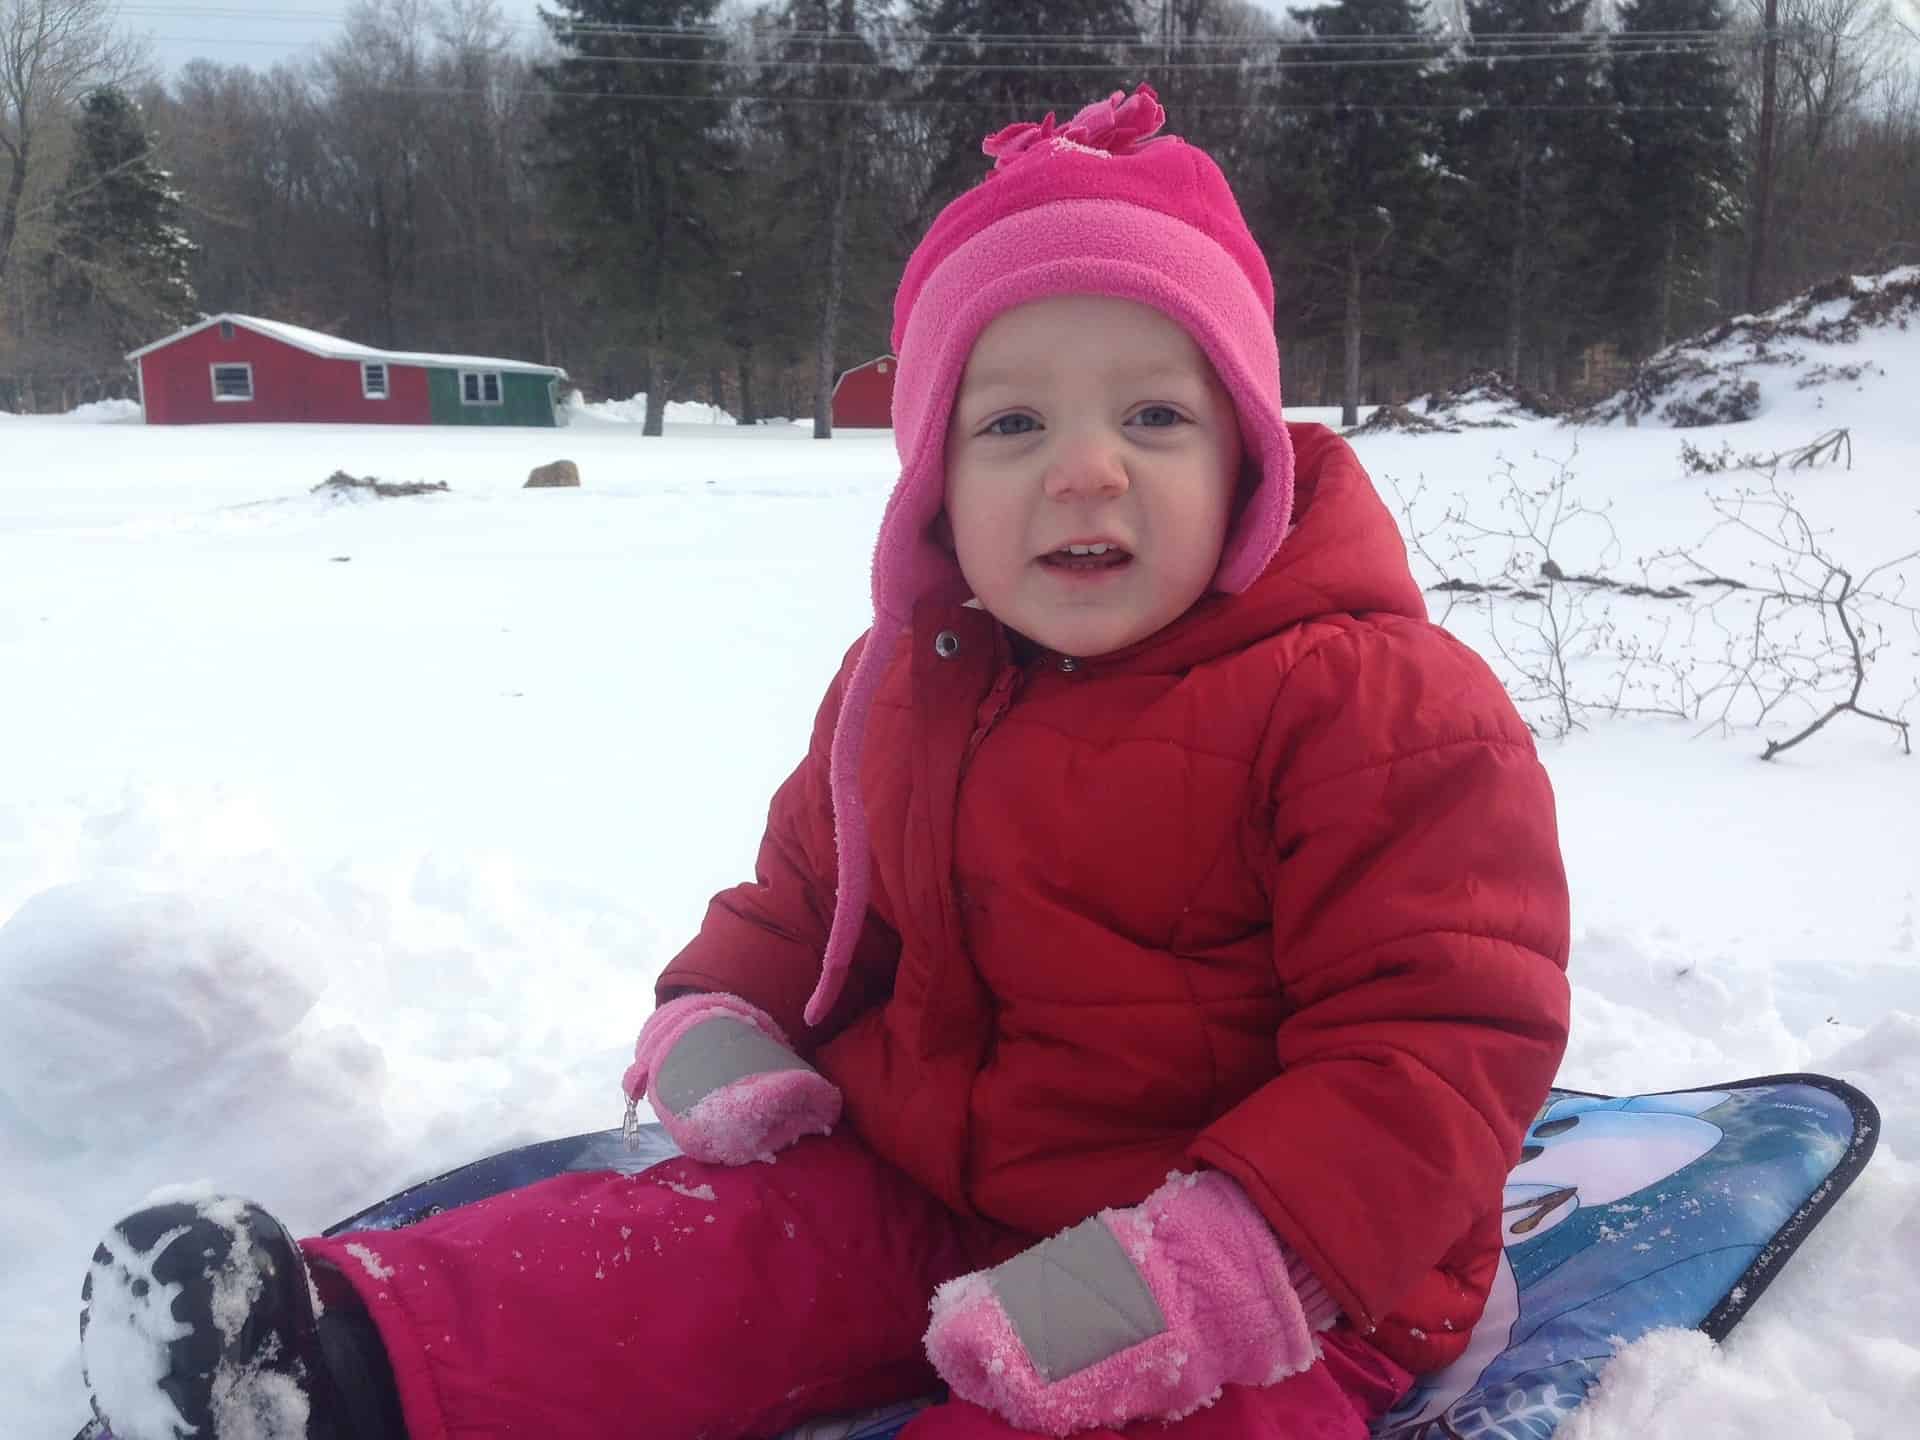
[373, 380]
[479, 387]
[233, 382]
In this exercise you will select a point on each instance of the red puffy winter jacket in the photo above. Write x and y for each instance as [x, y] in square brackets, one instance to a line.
[1276, 890]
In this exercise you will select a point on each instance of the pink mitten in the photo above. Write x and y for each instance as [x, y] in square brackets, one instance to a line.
[719, 1074]
[1135, 1314]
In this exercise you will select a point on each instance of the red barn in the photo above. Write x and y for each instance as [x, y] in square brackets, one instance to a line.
[238, 368]
[863, 396]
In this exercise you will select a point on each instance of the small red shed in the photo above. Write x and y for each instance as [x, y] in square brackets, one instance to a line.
[240, 368]
[863, 396]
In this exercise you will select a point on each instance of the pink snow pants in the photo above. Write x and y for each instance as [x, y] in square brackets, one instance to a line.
[700, 1302]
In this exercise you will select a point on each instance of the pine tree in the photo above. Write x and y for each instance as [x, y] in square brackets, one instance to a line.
[1677, 100]
[978, 82]
[1362, 185]
[120, 262]
[634, 147]
[1537, 149]
[829, 90]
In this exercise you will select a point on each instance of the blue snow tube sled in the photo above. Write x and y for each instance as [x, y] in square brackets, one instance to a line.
[1626, 1214]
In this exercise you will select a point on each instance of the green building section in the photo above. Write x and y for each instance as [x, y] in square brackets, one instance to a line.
[524, 400]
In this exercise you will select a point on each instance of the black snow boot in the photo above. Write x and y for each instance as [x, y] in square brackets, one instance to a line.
[201, 1319]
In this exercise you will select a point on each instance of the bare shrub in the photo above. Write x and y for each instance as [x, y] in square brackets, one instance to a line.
[1756, 624]
[1550, 620]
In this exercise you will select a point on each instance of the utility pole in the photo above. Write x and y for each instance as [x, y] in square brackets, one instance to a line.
[838, 144]
[1760, 214]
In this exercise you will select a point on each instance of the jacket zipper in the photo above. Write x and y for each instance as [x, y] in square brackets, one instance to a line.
[991, 709]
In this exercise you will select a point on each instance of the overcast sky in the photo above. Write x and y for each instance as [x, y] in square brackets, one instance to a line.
[257, 32]
[261, 33]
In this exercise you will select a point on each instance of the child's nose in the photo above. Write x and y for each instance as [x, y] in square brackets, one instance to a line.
[1086, 468]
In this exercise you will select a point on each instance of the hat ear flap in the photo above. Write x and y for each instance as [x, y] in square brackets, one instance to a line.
[1251, 474]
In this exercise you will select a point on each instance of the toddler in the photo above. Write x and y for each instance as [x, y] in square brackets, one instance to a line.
[1152, 966]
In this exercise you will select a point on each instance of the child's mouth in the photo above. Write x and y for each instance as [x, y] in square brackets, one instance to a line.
[1086, 559]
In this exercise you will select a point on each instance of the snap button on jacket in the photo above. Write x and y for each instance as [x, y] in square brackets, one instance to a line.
[1276, 891]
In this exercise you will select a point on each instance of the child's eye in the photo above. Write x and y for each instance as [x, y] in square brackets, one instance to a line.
[1015, 424]
[1158, 417]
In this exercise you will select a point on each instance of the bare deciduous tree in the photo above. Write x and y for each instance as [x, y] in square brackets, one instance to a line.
[1834, 56]
[373, 80]
[1845, 154]
[51, 52]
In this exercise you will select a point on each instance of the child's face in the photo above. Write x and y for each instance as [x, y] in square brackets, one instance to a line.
[1087, 421]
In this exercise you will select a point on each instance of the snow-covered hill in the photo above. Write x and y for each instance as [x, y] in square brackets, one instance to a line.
[1845, 344]
[340, 842]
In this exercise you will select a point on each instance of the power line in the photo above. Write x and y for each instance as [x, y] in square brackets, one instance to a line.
[1150, 66]
[1597, 39]
[728, 33]
[1428, 39]
[1154, 66]
[1600, 39]
[1464, 107]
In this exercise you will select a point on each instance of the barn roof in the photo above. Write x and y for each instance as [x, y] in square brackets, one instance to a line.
[332, 347]
[883, 361]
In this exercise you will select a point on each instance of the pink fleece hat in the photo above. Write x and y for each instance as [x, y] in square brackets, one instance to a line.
[1102, 205]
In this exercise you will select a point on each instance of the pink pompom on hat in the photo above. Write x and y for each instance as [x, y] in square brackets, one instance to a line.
[1103, 205]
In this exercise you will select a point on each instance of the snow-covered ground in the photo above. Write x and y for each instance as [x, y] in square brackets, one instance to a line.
[339, 842]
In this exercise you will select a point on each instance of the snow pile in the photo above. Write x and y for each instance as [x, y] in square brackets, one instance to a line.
[94, 412]
[343, 488]
[1830, 1351]
[174, 985]
[1487, 399]
[1484, 400]
[107, 412]
[1402, 419]
[174, 990]
[1838, 339]
[633, 411]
